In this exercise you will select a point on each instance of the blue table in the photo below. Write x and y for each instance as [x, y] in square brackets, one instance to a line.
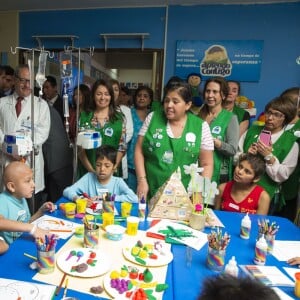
[184, 282]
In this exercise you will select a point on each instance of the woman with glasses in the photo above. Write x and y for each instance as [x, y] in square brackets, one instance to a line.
[280, 154]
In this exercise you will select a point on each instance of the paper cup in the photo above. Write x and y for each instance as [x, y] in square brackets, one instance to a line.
[81, 205]
[70, 209]
[46, 261]
[132, 225]
[125, 209]
[107, 219]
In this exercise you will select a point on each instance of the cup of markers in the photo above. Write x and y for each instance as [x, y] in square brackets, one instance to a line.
[268, 230]
[46, 254]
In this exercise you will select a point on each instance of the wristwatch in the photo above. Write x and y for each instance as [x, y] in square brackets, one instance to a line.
[268, 157]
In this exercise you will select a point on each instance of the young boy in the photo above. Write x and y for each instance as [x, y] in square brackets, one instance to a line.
[242, 194]
[18, 181]
[102, 181]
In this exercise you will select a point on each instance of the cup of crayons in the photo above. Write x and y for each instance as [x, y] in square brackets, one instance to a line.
[268, 230]
[91, 234]
[217, 244]
[46, 254]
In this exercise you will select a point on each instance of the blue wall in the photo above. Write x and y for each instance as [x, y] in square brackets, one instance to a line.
[277, 24]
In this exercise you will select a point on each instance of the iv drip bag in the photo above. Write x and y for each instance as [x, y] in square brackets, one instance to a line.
[40, 76]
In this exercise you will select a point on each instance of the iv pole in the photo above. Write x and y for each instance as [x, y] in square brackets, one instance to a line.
[75, 148]
[35, 149]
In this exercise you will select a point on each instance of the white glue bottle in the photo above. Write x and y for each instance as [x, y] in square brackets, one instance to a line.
[261, 248]
[245, 227]
[232, 268]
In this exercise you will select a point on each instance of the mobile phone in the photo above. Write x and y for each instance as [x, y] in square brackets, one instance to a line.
[265, 137]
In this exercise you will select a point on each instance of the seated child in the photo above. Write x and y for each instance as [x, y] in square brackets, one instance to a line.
[102, 181]
[242, 194]
[18, 181]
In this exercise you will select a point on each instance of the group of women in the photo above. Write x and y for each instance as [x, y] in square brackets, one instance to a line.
[157, 142]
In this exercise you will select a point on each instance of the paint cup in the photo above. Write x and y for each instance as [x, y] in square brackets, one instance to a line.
[297, 284]
[132, 225]
[215, 259]
[46, 261]
[107, 219]
[81, 205]
[91, 236]
[70, 209]
[126, 209]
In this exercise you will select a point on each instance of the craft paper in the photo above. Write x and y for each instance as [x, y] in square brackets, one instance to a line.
[282, 295]
[284, 250]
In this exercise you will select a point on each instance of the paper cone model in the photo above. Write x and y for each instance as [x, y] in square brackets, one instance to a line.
[171, 201]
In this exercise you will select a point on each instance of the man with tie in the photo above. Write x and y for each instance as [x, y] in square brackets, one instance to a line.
[16, 115]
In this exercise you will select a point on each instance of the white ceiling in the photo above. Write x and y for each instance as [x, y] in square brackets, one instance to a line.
[30, 5]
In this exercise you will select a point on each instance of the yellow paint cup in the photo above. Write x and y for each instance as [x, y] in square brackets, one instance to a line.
[125, 209]
[132, 225]
[81, 205]
[107, 219]
[70, 209]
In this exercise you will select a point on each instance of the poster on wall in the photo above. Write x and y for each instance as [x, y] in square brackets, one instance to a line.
[233, 60]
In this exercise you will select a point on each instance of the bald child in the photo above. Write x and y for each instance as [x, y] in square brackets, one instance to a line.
[19, 185]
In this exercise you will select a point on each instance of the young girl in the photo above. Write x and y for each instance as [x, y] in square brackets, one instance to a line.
[242, 194]
[96, 183]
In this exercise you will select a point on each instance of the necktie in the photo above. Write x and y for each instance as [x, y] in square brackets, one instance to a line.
[19, 105]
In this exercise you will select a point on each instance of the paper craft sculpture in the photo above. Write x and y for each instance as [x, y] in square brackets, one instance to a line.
[171, 201]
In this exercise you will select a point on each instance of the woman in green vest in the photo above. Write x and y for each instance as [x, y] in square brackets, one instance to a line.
[281, 154]
[170, 139]
[229, 104]
[224, 128]
[105, 118]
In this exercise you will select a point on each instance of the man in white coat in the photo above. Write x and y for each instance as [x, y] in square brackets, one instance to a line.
[10, 123]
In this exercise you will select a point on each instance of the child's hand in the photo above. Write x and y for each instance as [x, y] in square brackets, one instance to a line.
[294, 261]
[91, 200]
[48, 206]
[40, 233]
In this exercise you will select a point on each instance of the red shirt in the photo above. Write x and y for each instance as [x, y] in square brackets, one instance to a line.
[248, 205]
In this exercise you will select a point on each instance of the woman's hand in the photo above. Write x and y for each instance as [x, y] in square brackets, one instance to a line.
[142, 188]
[263, 149]
[253, 149]
[294, 261]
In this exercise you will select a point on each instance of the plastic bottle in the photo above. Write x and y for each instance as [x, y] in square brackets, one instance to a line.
[142, 209]
[245, 227]
[231, 268]
[261, 248]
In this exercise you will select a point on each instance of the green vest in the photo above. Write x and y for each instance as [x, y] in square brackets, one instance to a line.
[218, 128]
[163, 154]
[289, 188]
[110, 134]
[280, 149]
[239, 112]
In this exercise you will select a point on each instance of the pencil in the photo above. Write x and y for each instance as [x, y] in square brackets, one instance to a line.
[61, 230]
[60, 284]
[30, 256]
[66, 288]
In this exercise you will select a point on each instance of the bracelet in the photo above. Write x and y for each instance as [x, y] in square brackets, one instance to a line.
[33, 229]
[141, 178]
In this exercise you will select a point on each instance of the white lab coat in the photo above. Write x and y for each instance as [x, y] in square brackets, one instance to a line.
[10, 123]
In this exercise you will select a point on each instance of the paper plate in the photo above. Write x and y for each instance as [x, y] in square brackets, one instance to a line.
[98, 211]
[50, 224]
[96, 266]
[164, 257]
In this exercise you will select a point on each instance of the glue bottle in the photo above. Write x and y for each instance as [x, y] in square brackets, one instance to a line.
[245, 227]
[261, 248]
[231, 268]
[142, 209]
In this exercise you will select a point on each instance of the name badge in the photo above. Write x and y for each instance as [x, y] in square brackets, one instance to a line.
[190, 137]
[216, 130]
[234, 206]
[109, 132]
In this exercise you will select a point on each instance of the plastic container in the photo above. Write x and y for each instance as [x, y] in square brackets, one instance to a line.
[114, 232]
[232, 268]
[142, 209]
[245, 227]
[261, 248]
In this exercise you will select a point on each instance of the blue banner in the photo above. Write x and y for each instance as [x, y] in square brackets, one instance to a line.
[233, 60]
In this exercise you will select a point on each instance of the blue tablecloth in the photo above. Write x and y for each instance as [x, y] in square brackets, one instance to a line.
[184, 281]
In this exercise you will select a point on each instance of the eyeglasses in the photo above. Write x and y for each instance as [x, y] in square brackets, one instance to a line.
[275, 115]
[23, 80]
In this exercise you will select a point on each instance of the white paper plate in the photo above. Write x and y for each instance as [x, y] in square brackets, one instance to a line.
[51, 224]
[102, 264]
[162, 259]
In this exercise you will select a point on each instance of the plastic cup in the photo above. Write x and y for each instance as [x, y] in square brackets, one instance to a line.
[297, 284]
[81, 205]
[126, 209]
[215, 259]
[107, 219]
[270, 238]
[132, 225]
[70, 209]
[91, 236]
[46, 261]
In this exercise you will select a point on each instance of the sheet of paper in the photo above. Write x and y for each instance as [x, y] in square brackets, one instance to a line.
[282, 295]
[15, 289]
[284, 250]
[291, 271]
[213, 220]
[61, 227]
[197, 239]
[268, 275]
